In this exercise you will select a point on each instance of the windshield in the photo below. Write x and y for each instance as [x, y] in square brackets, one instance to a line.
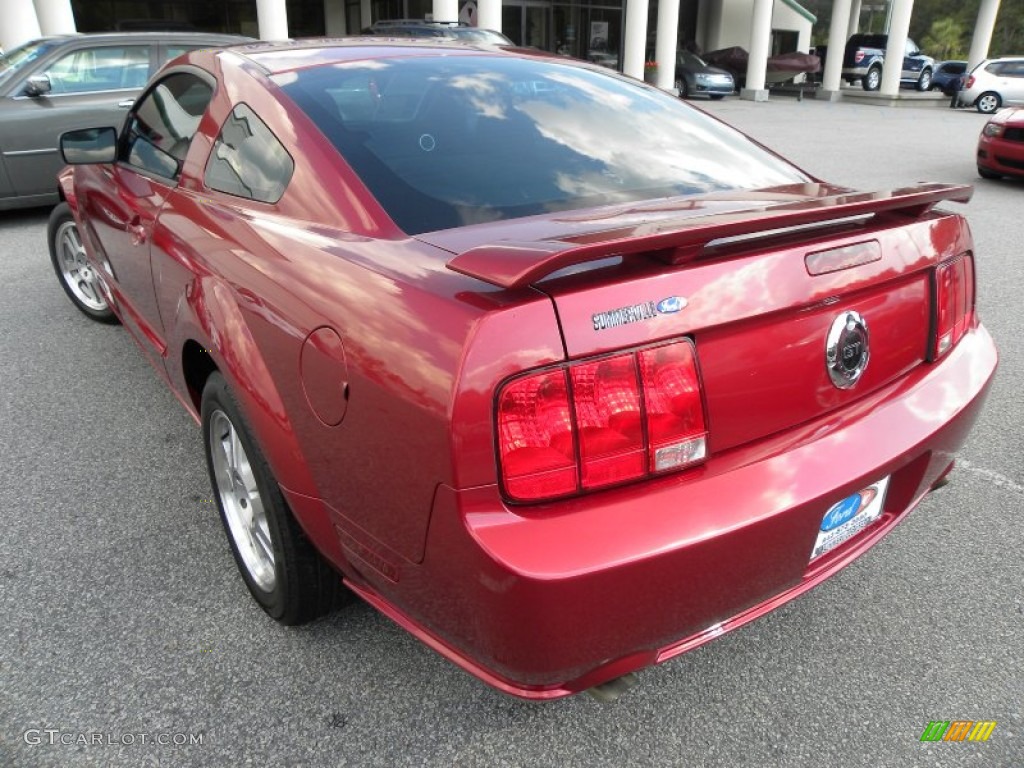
[15, 60]
[447, 141]
[691, 60]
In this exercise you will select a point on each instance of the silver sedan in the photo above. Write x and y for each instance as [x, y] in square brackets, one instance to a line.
[57, 84]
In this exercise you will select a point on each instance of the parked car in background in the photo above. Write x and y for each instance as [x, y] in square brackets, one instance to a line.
[498, 348]
[695, 77]
[865, 54]
[948, 76]
[1001, 145]
[56, 84]
[604, 59]
[779, 69]
[995, 83]
[451, 30]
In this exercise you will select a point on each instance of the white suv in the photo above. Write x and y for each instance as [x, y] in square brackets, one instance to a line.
[995, 83]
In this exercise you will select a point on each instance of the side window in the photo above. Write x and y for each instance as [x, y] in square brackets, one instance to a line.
[160, 131]
[100, 69]
[174, 50]
[247, 159]
[1014, 69]
[995, 68]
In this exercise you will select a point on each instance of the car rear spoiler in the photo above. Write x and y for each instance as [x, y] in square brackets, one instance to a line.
[514, 264]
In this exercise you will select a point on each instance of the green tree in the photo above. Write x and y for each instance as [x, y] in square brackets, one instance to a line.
[1007, 38]
[945, 39]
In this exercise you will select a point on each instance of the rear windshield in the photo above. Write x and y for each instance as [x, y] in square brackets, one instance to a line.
[462, 139]
[869, 41]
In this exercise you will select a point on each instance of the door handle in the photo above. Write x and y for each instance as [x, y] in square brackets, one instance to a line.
[137, 231]
[126, 104]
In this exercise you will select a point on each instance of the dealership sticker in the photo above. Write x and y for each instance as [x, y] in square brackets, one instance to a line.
[847, 518]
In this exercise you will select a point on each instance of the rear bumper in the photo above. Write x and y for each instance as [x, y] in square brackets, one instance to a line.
[970, 95]
[544, 602]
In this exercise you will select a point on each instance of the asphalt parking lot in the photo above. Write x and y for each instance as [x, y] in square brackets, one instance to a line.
[123, 614]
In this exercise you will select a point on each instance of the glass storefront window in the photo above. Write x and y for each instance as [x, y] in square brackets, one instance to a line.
[591, 32]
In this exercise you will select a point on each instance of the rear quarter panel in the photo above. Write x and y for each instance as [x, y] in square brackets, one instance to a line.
[250, 281]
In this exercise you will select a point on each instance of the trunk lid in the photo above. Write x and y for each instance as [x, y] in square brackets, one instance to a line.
[757, 279]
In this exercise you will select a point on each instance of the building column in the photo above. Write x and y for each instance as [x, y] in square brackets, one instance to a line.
[830, 80]
[760, 42]
[365, 13]
[55, 17]
[982, 33]
[854, 26]
[18, 23]
[334, 18]
[636, 38]
[488, 14]
[272, 16]
[666, 43]
[899, 28]
[446, 10]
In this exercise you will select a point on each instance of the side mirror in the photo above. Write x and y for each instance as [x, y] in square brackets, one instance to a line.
[89, 145]
[37, 85]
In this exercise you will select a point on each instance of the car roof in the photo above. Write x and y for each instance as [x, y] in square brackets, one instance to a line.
[121, 37]
[387, 23]
[284, 56]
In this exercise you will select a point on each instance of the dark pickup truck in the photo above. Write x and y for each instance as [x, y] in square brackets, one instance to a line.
[863, 57]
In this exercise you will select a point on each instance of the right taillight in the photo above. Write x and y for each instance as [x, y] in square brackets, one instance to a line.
[674, 407]
[602, 422]
[954, 302]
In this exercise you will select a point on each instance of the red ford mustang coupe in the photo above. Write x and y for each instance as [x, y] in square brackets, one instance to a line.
[558, 372]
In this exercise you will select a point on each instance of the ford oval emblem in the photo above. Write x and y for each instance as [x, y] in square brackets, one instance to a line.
[671, 304]
[845, 510]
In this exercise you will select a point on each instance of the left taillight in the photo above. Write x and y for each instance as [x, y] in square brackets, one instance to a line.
[596, 423]
[954, 303]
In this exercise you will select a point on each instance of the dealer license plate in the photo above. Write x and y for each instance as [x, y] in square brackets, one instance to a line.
[849, 517]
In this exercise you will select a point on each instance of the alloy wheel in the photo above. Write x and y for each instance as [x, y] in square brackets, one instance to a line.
[79, 276]
[988, 103]
[241, 501]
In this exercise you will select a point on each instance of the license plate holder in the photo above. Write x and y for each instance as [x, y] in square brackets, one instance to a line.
[846, 518]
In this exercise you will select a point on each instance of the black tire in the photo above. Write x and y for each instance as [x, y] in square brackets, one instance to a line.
[78, 279]
[872, 81]
[684, 91]
[924, 82]
[716, 96]
[300, 584]
[988, 103]
[985, 173]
